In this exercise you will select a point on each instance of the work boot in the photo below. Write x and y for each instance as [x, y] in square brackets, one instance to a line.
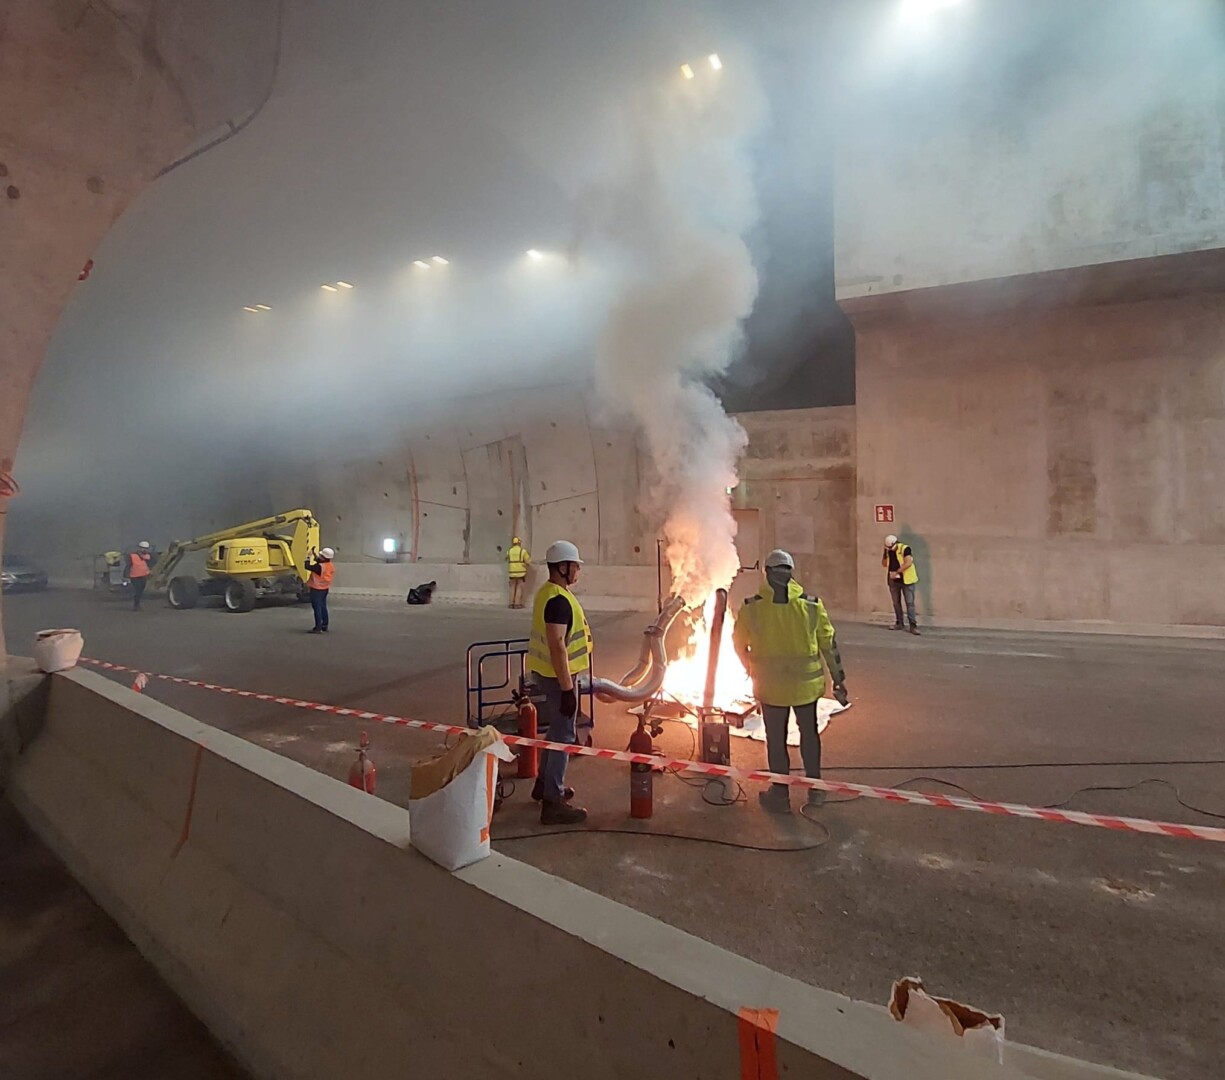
[775, 802]
[896, 626]
[914, 630]
[317, 630]
[561, 813]
[816, 798]
[538, 792]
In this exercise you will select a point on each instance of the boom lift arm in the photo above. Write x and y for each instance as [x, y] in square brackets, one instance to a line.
[302, 540]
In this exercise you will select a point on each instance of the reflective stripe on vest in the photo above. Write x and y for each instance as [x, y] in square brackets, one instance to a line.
[140, 565]
[322, 578]
[578, 643]
[517, 558]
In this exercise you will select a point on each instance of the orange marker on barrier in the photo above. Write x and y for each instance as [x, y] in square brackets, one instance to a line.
[758, 1052]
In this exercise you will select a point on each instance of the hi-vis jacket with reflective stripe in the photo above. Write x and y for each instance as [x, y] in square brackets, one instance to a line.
[578, 644]
[518, 558]
[781, 645]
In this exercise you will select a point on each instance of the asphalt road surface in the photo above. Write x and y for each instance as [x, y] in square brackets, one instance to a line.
[1103, 945]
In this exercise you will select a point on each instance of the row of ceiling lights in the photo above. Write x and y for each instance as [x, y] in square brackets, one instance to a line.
[437, 260]
[713, 59]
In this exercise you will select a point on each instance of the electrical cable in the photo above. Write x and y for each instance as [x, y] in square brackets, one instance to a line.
[678, 836]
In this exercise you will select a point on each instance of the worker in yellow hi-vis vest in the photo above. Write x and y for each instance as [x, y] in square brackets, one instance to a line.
[518, 559]
[559, 649]
[903, 576]
[781, 636]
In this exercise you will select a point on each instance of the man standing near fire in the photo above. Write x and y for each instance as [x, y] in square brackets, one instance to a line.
[781, 637]
[559, 649]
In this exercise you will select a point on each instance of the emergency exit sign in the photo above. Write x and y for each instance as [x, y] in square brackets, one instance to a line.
[884, 514]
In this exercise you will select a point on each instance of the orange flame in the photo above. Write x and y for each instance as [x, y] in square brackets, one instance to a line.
[686, 675]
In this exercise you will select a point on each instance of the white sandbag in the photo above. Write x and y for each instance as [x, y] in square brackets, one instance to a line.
[450, 824]
[57, 650]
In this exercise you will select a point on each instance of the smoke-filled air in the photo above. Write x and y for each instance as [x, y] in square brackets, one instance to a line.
[679, 218]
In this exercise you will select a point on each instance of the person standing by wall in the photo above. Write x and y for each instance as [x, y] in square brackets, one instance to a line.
[903, 576]
[559, 649]
[518, 559]
[140, 564]
[781, 637]
[322, 570]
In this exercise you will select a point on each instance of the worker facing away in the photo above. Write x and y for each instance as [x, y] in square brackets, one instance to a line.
[518, 559]
[559, 649]
[322, 570]
[903, 576]
[140, 564]
[781, 637]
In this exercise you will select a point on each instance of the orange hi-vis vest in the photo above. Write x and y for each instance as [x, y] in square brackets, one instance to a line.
[321, 577]
[140, 564]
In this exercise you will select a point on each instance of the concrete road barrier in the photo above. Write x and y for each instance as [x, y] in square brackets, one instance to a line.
[290, 914]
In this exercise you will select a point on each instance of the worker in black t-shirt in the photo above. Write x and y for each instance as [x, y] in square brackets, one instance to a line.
[559, 649]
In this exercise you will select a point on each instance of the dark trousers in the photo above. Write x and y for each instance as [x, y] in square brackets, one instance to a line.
[138, 590]
[777, 754]
[319, 603]
[897, 590]
[561, 729]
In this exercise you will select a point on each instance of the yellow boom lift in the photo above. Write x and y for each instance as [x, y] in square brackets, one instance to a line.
[245, 564]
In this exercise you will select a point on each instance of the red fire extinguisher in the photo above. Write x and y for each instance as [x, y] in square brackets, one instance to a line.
[528, 755]
[642, 777]
[361, 775]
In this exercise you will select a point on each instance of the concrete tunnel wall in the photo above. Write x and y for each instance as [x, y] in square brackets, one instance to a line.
[94, 105]
[1035, 282]
[285, 909]
[453, 493]
[1060, 459]
[947, 172]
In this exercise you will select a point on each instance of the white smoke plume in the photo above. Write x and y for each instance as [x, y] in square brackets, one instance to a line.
[679, 218]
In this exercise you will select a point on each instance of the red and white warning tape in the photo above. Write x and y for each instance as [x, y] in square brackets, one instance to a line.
[1174, 829]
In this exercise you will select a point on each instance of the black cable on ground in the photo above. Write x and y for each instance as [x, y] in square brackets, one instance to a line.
[679, 836]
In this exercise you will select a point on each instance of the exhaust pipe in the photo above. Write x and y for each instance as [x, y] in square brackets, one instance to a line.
[645, 678]
[716, 636]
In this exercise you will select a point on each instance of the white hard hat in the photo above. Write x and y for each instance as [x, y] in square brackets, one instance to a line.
[328, 553]
[778, 557]
[890, 540]
[562, 551]
[144, 544]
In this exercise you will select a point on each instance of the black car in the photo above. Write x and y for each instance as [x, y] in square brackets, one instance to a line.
[18, 574]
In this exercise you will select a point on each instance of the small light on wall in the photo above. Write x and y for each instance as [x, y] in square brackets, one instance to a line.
[389, 546]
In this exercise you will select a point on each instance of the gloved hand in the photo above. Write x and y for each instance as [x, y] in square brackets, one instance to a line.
[840, 694]
[569, 703]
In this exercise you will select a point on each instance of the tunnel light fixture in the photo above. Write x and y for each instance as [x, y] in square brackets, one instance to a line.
[535, 255]
[344, 285]
[389, 545]
[253, 310]
[329, 288]
[263, 307]
[440, 261]
[687, 71]
[421, 264]
[715, 63]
